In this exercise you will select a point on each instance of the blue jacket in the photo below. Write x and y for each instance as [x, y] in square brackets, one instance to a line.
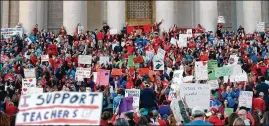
[230, 97]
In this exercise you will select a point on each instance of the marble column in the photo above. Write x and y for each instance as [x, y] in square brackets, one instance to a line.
[32, 13]
[73, 13]
[4, 14]
[209, 15]
[116, 14]
[165, 10]
[252, 15]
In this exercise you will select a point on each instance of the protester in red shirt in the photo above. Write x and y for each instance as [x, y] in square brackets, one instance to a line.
[258, 103]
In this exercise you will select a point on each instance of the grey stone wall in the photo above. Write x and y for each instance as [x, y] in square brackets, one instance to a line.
[184, 14]
[55, 15]
[225, 9]
[94, 15]
[14, 13]
[265, 12]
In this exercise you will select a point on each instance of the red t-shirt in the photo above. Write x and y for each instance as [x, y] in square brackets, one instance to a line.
[258, 103]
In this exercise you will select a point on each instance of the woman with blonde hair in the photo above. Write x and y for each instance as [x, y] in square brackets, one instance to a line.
[238, 122]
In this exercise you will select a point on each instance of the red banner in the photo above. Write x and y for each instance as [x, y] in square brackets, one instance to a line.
[144, 28]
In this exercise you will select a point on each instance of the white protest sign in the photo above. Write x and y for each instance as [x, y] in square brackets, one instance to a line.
[29, 73]
[178, 76]
[60, 108]
[158, 65]
[34, 90]
[113, 31]
[214, 84]
[241, 77]
[94, 76]
[201, 72]
[84, 59]
[182, 40]
[174, 92]
[44, 58]
[80, 29]
[160, 54]
[187, 79]
[221, 19]
[8, 32]
[149, 55]
[83, 72]
[28, 83]
[196, 94]
[173, 41]
[189, 32]
[245, 99]
[135, 93]
[260, 26]
[176, 110]
[233, 59]
[104, 60]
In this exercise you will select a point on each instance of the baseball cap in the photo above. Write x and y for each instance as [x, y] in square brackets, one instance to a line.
[197, 111]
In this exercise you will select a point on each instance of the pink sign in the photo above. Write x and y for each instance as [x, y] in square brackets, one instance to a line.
[103, 77]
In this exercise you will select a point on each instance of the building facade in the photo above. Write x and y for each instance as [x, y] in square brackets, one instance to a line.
[51, 15]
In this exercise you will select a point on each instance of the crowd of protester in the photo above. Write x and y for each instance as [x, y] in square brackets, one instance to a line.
[58, 74]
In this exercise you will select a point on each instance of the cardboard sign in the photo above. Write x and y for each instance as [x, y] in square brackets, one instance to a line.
[83, 72]
[182, 40]
[228, 111]
[104, 60]
[158, 65]
[174, 92]
[176, 110]
[80, 29]
[103, 77]
[214, 84]
[143, 71]
[178, 76]
[149, 55]
[143, 28]
[8, 32]
[188, 79]
[201, 72]
[95, 74]
[233, 59]
[60, 108]
[29, 73]
[84, 59]
[196, 94]
[245, 99]
[136, 96]
[223, 71]
[189, 32]
[173, 41]
[44, 58]
[130, 62]
[212, 64]
[113, 31]
[116, 72]
[221, 19]
[260, 27]
[34, 90]
[28, 83]
[160, 54]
